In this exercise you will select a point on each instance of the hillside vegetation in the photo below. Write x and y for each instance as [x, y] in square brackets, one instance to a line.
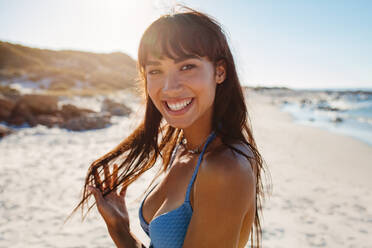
[66, 70]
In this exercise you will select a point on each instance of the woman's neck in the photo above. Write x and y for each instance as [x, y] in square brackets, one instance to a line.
[196, 135]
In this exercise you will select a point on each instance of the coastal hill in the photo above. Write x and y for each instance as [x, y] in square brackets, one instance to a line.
[65, 70]
[36, 83]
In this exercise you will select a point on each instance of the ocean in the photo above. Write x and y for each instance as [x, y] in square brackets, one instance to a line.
[345, 111]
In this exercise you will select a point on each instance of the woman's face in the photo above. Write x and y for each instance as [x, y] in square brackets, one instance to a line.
[183, 89]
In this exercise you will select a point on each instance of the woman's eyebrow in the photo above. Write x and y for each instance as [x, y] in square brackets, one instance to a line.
[176, 60]
[180, 59]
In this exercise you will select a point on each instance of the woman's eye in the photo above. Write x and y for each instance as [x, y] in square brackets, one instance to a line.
[187, 67]
[152, 72]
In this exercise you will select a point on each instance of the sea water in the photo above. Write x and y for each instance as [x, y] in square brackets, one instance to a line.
[346, 111]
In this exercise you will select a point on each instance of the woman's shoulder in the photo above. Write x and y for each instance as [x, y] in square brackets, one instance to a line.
[224, 172]
[228, 161]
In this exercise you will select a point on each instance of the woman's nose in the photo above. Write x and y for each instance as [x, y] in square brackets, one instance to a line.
[172, 84]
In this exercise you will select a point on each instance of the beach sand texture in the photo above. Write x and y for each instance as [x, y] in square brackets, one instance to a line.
[321, 184]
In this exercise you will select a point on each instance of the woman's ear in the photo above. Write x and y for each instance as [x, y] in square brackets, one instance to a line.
[220, 71]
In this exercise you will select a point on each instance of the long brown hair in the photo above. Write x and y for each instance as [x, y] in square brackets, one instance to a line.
[182, 33]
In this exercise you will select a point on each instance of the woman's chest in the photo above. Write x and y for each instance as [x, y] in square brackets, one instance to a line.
[170, 193]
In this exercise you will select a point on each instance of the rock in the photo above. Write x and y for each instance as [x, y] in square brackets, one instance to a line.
[17, 120]
[115, 108]
[337, 120]
[40, 104]
[87, 122]
[49, 120]
[42, 109]
[22, 113]
[328, 108]
[324, 105]
[5, 131]
[6, 107]
[70, 111]
[7, 91]
[27, 108]
[305, 102]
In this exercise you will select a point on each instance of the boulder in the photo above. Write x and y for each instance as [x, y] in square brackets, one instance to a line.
[9, 92]
[304, 102]
[337, 119]
[115, 108]
[6, 107]
[5, 131]
[49, 120]
[70, 111]
[22, 113]
[87, 122]
[40, 104]
[42, 109]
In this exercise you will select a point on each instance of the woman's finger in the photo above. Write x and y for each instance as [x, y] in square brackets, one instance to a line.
[97, 194]
[114, 179]
[97, 180]
[107, 181]
[123, 191]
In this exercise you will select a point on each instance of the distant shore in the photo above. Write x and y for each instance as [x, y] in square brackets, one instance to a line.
[345, 111]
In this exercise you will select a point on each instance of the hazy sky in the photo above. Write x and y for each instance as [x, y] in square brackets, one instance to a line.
[299, 44]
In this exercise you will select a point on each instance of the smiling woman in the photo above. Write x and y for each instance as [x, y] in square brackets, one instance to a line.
[196, 120]
[183, 89]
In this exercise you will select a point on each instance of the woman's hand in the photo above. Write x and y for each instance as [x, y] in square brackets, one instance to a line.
[112, 206]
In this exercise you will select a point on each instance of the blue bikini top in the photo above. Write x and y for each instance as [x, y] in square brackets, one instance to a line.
[168, 230]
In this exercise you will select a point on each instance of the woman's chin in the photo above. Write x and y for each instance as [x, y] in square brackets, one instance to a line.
[182, 124]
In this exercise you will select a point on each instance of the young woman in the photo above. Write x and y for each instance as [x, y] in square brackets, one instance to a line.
[196, 122]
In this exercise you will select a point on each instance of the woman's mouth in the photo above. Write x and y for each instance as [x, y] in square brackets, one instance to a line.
[178, 107]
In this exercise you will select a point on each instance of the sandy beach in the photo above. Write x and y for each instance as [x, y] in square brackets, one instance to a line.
[321, 182]
[322, 192]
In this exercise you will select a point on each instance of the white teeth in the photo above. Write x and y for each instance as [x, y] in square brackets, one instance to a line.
[179, 105]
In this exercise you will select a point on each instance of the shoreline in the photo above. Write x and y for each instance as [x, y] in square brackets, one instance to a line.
[348, 128]
[348, 112]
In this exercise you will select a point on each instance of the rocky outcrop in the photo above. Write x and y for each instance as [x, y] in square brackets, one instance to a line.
[50, 120]
[5, 131]
[39, 104]
[6, 107]
[27, 108]
[70, 111]
[33, 109]
[87, 122]
[22, 114]
[115, 108]
[41, 109]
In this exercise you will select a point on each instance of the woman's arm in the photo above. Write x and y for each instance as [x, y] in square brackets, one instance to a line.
[123, 238]
[113, 210]
[224, 195]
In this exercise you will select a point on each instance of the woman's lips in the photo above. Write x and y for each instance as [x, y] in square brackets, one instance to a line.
[179, 100]
[178, 112]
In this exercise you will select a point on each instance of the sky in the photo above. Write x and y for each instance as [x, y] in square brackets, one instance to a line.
[285, 43]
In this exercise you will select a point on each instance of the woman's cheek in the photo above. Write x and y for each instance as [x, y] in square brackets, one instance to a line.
[198, 80]
[153, 91]
[150, 90]
[151, 84]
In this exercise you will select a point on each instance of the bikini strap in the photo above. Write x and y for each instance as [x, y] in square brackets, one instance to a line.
[209, 139]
